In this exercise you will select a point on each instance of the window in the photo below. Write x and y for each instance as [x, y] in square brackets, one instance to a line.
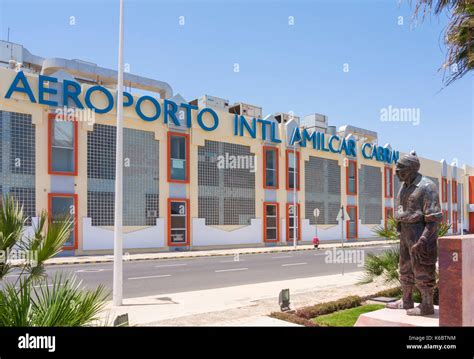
[18, 161]
[291, 223]
[388, 214]
[20, 131]
[270, 166]
[322, 190]
[140, 176]
[351, 177]
[388, 182]
[101, 208]
[454, 190]
[271, 222]
[178, 222]
[455, 222]
[226, 196]
[178, 157]
[292, 169]
[444, 190]
[370, 192]
[62, 146]
[351, 224]
[64, 206]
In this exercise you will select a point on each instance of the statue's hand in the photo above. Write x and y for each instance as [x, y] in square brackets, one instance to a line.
[416, 250]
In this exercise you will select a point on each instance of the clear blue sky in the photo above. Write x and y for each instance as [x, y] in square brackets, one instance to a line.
[282, 68]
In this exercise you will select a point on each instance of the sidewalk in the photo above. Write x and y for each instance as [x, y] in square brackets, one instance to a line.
[209, 253]
[244, 305]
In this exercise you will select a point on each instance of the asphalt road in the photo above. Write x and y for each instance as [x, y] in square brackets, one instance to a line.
[154, 277]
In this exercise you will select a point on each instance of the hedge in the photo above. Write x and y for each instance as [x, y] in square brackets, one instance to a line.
[329, 307]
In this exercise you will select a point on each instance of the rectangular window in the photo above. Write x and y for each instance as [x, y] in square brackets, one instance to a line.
[271, 222]
[270, 167]
[291, 215]
[292, 170]
[351, 177]
[388, 182]
[455, 222]
[178, 157]
[454, 191]
[19, 129]
[388, 214]
[178, 222]
[62, 146]
[444, 190]
[64, 206]
[351, 224]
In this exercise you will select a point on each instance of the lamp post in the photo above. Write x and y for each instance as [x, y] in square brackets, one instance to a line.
[294, 196]
[118, 236]
[466, 177]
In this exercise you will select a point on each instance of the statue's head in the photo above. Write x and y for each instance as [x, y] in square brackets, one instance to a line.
[407, 167]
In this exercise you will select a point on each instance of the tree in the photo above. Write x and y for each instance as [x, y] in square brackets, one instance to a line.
[459, 34]
[31, 300]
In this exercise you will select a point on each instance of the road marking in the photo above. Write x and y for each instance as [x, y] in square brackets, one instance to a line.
[232, 261]
[151, 276]
[91, 270]
[171, 265]
[293, 264]
[282, 257]
[47, 285]
[230, 270]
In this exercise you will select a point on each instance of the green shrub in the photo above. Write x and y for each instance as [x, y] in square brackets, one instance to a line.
[391, 292]
[329, 307]
[33, 300]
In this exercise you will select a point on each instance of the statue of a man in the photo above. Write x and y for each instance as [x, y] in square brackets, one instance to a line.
[418, 214]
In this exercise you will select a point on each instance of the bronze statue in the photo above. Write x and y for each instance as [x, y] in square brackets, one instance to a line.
[418, 214]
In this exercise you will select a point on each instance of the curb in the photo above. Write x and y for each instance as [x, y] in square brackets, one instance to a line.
[283, 250]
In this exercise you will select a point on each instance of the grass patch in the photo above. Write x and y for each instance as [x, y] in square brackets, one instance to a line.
[346, 317]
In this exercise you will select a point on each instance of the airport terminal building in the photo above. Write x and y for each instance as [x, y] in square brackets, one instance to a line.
[200, 173]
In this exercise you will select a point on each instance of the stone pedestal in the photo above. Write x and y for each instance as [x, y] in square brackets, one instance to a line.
[456, 280]
[396, 318]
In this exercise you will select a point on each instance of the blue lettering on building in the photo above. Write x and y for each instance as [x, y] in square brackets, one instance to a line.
[71, 91]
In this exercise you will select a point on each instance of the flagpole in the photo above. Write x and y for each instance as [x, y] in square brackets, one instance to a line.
[118, 238]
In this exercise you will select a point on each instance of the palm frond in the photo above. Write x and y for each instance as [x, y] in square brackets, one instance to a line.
[47, 241]
[15, 305]
[65, 303]
[459, 34]
[384, 264]
[12, 223]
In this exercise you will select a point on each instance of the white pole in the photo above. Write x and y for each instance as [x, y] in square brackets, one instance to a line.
[462, 203]
[118, 240]
[343, 217]
[294, 196]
